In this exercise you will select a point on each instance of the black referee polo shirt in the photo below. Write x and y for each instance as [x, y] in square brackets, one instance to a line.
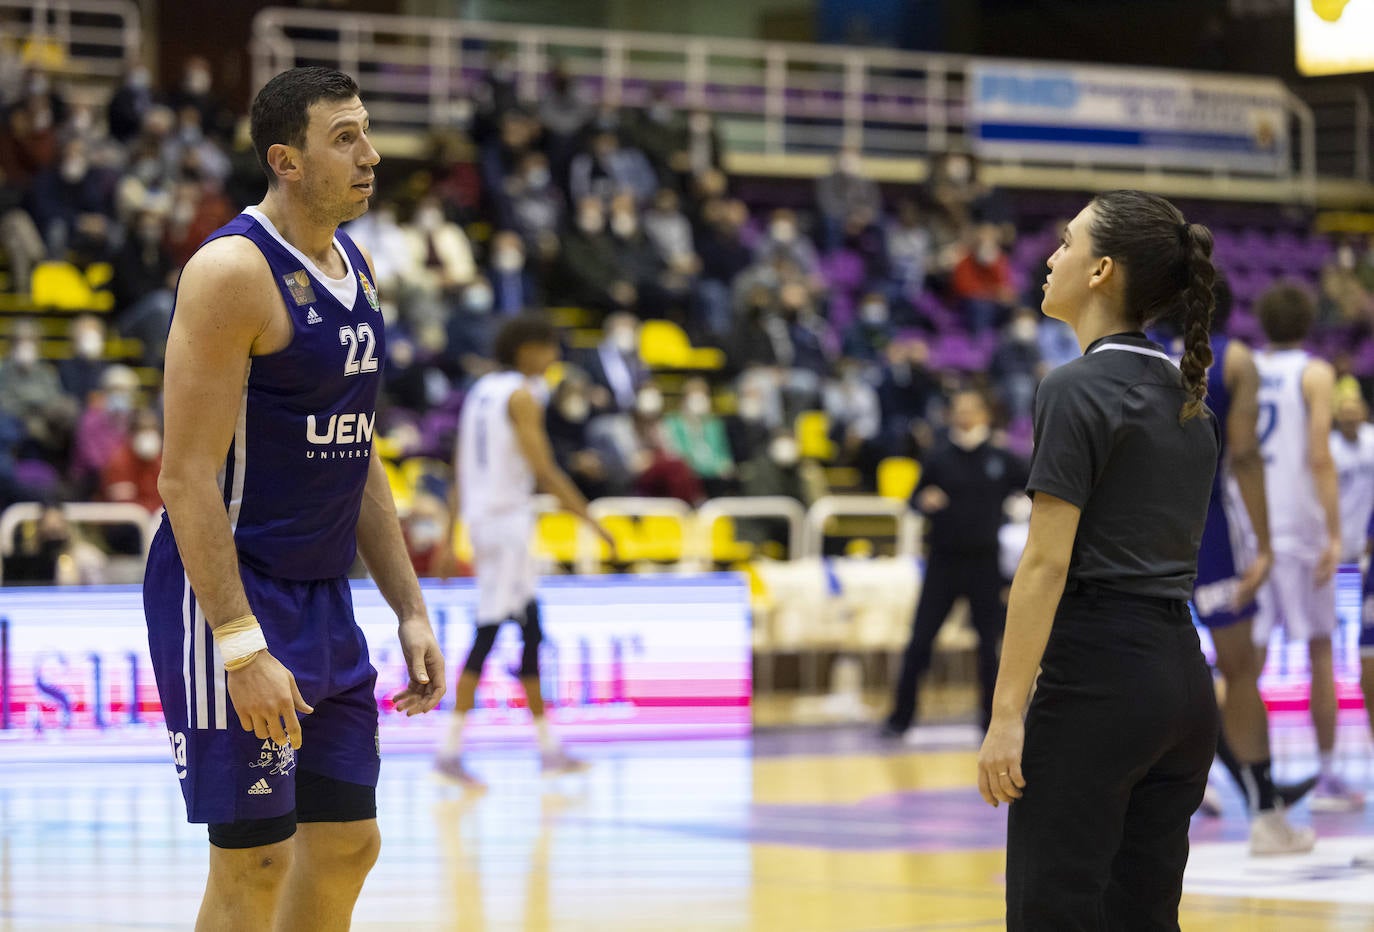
[1108, 440]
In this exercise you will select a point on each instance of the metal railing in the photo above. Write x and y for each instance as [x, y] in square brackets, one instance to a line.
[770, 98]
[80, 513]
[74, 39]
[1342, 126]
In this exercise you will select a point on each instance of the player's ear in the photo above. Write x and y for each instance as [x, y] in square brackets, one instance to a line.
[285, 161]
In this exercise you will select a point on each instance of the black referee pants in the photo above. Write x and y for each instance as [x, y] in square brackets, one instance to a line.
[1119, 738]
[949, 576]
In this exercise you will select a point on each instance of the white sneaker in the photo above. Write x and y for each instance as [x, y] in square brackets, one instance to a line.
[1272, 834]
[557, 763]
[1333, 795]
[452, 770]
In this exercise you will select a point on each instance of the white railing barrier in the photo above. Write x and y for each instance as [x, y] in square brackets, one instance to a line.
[908, 524]
[95, 38]
[763, 506]
[588, 545]
[772, 98]
[101, 513]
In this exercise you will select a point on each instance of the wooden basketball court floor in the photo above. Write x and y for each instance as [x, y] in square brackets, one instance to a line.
[804, 830]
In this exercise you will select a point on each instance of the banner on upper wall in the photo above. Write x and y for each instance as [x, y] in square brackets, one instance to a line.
[1078, 115]
[623, 657]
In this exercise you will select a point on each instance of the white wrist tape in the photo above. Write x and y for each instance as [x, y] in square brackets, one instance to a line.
[239, 640]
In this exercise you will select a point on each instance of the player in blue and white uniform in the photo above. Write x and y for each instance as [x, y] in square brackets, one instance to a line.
[1229, 577]
[1295, 395]
[272, 486]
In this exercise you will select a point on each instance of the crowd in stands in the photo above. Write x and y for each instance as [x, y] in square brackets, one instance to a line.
[869, 308]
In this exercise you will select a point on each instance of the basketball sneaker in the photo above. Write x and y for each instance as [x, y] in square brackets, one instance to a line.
[560, 762]
[1272, 834]
[1333, 795]
[452, 770]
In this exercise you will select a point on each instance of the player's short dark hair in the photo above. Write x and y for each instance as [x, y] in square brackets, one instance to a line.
[1286, 311]
[281, 111]
[521, 331]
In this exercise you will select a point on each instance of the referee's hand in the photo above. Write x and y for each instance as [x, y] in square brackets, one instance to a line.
[999, 762]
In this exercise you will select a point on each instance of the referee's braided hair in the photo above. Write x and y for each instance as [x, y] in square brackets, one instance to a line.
[1168, 266]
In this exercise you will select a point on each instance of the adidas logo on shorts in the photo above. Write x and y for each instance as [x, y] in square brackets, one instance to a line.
[313, 317]
[260, 789]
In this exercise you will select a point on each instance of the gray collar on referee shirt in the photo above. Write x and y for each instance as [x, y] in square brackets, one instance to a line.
[1130, 342]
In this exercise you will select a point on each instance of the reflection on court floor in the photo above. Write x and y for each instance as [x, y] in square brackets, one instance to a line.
[820, 830]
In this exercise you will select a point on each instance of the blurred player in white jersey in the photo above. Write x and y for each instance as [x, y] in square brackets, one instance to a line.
[1352, 450]
[1295, 396]
[503, 456]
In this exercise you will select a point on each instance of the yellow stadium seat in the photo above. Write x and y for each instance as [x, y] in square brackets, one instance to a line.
[664, 345]
[628, 545]
[570, 317]
[555, 374]
[61, 286]
[813, 435]
[556, 536]
[725, 546]
[462, 543]
[660, 538]
[897, 477]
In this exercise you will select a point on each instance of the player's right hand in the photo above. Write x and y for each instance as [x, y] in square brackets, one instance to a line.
[267, 700]
[1256, 574]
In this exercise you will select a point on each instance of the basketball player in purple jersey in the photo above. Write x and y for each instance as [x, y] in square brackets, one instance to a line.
[271, 487]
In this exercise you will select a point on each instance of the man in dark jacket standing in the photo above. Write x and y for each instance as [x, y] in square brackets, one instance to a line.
[963, 487]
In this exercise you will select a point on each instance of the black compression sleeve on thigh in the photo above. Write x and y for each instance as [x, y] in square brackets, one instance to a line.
[531, 635]
[481, 647]
[253, 833]
[325, 799]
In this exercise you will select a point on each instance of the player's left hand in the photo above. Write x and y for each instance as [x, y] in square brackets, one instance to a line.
[999, 762]
[426, 666]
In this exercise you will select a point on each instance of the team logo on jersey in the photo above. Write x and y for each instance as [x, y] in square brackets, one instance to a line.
[298, 283]
[369, 291]
[277, 759]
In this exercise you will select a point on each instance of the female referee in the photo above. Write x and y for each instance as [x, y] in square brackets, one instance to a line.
[1112, 758]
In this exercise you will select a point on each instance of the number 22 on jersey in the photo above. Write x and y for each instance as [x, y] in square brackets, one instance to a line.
[355, 338]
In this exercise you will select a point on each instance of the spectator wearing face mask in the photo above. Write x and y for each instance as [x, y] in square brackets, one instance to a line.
[856, 419]
[608, 169]
[659, 472]
[785, 238]
[82, 371]
[906, 393]
[778, 469]
[441, 263]
[910, 246]
[867, 338]
[72, 203]
[470, 333]
[1017, 366]
[386, 240]
[563, 112]
[197, 92]
[660, 291]
[535, 206]
[512, 284]
[130, 103]
[698, 436]
[428, 544]
[567, 419]
[131, 474]
[50, 551]
[844, 193]
[29, 385]
[614, 367]
[1344, 299]
[982, 281]
[753, 422]
[103, 427]
[589, 271]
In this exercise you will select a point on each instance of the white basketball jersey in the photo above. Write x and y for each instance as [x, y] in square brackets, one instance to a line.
[1297, 525]
[493, 475]
[1355, 472]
